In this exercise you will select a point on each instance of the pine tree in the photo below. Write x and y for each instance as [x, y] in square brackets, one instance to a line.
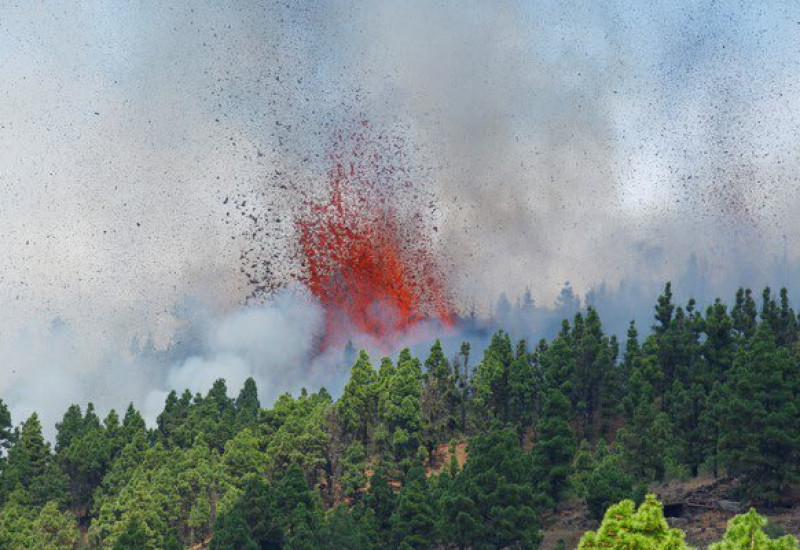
[490, 504]
[746, 532]
[412, 523]
[134, 537]
[6, 434]
[297, 509]
[114, 435]
[600, 478]
[558, 364]
[85, 460]
[399, 406]
[133, 423]
[31, 467]
[172, 426]
[358, 406]
[71, 426]
[439, 398]
[647, 441]
[759, 436]
[554, 447]
[593, 377]
[54, 529]
[214, 416]
[787, 325]
[664, 311]
[625, 527]
[347, 529]
[522, 389]
[744, 314]
[491, 380]
[247, 406]
[354, 479]
[243, 457]
[381, 499]
[719, 346]
[16, 522]
[6, 440]
[686, 407]
[232, 532]
[769, 311]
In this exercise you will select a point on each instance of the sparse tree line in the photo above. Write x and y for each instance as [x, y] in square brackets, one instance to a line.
[383, 466]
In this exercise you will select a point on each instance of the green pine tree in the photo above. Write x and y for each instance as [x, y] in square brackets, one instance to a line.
[746, 532]
[491, 503]
[759, 439]
[626, 528]
[554, 447]
[412, 523]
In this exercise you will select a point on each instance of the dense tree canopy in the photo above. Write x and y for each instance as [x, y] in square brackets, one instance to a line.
[384, 466]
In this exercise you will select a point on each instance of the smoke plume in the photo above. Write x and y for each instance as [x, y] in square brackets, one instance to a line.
[153, 151]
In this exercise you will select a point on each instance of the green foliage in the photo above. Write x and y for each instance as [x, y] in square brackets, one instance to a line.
[257, 505]
[758, 417]
[744, 314]
[594, 375]
[746, 532]
[346, 529]
[298, 509]
[299, 437]
[358, 406]
[625, 527]
[600, 478]
[523, 389]
[16, 522]
[354, 478]
[400, 409]
[247, 406]
[412, 523]
[491, 378]
[31, 467]
[54, 529]
[715, 391]
[381, 500]
[172, 425]
[439, 398]
[490, 503]
[647, 441]
[231, 531]
[243, 457]
[134, 537]
[84, 454]
[213, 415]
[6, 434]
[554, 446]
[686, 408]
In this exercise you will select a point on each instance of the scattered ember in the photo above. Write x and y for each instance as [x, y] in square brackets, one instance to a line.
[365, 245]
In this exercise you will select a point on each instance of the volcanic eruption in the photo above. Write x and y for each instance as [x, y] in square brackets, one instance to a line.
[366, 244]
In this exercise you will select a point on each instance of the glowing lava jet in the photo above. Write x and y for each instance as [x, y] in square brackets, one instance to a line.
[366, 250]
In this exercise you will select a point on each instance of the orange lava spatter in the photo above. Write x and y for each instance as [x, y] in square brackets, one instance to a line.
[366, 254]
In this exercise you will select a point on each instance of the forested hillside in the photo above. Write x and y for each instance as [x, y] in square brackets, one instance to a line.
[713, 392]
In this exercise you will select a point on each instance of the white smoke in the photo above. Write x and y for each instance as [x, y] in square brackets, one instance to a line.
[47, 370]
[274, 344]
[613, 145]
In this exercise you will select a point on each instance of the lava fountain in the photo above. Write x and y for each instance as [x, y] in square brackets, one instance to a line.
[366, 246]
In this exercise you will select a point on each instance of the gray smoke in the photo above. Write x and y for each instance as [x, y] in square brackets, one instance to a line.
[611, 145]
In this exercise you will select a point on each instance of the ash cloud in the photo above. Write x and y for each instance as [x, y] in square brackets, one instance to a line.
[47, 370]
[577, 139]
[614, 146]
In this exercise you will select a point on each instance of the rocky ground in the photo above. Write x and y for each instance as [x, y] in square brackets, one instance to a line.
[700, 507]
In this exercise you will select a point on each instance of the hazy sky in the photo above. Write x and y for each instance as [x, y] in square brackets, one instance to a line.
[578, 141]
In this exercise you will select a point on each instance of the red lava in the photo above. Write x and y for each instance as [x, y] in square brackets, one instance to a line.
[371, 266]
